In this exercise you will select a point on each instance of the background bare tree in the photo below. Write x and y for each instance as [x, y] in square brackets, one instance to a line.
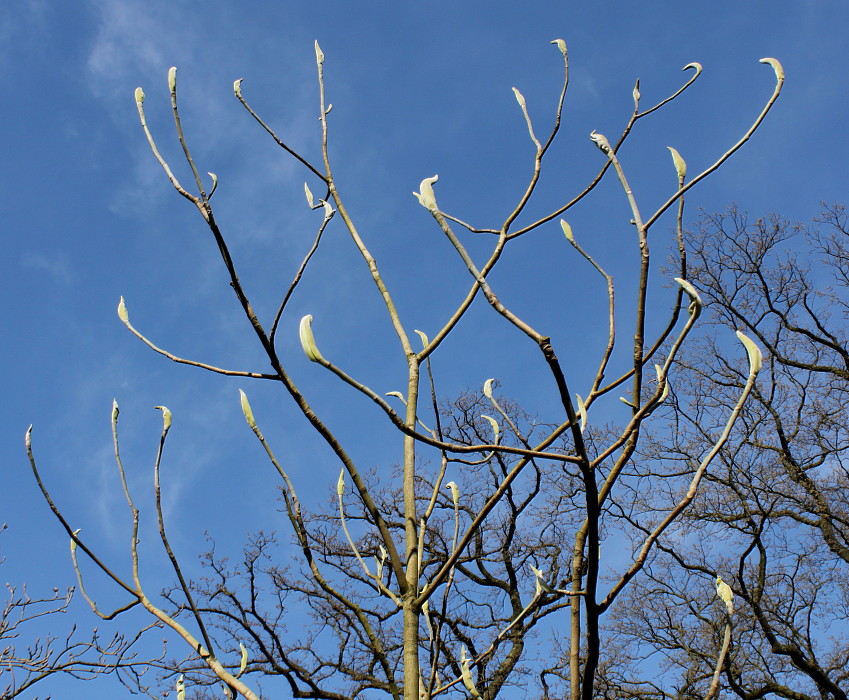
[773, 514]
[419, 586]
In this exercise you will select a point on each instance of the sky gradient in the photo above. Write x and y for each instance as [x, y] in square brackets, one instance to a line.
[417, 89]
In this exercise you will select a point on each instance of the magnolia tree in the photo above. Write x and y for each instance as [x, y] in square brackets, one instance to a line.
[420, 586]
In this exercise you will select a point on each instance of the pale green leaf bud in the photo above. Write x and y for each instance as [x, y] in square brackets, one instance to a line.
[467, 674]
[494, 425]
[166, 417]
[426, 608]
[680, 163]
[398, 395]
[139, 96]
[122, 311]
[243, 664]
[28, 438]
[661, 377]
[237, 87]
[487, 388]
[560, 45]
[601, 141]
[541, 584]
[308, 193]
[582, 412]
[455, 492]
[308, 341]
[115, 410]
[695, 66]
[427, 198]
[567, 231]
[172, 79]
[776, 66]
[181, 689]
[246, 409]
[726, 595]
[636, 94]
[520, 98]
[695, 307]
[340, 485]
[74, 542]
[319, 54]
[425, 341]
[756, 357]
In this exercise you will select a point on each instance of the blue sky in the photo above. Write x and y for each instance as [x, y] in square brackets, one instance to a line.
[417, 89]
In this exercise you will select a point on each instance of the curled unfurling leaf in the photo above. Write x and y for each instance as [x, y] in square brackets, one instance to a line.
[756, 357]
[166, 417]
[237, 87]
[308, 341]
[680, 163]
[695, 307]
[494, 425]
[601, 141]
[776, 66]
[487, 388]
[309, 196]
[560, 44]
[426, 196]
[455, 492]
[695, 66]
[243, 663]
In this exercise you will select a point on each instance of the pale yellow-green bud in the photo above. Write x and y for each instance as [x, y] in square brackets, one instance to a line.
[601, 141]
[426, 608]
[726, 595]
[139, 96]
[455, 492]
[680, 163]
[494, 425]
[243, 664]
[172, 79]
[319, 54]
[246, 409]
[756, 357]
[487, 388]
[181, 689]
[74, 542]
[122, 311]
[776, 66]
[115, 410]
[661, 377]
[695, 307]
[308, 341]
[560, 45]
[567, 231]
[467, 674]
[520, 98]
[28, 438]
[426, 197]
[695, 66]
[237, 87]
[308, 193]
[166, 417]
[582, 412]
[636, 94]
[340, 485]
[425, 341]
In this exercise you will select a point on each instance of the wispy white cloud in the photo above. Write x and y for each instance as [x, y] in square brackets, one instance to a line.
[55, 265]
